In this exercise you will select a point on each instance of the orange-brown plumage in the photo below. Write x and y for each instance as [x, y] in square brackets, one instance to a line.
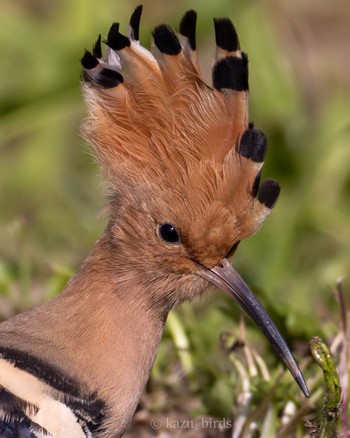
[183, 165]
[177, 138]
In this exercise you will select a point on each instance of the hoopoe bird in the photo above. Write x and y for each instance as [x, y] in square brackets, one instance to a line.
[184, 167]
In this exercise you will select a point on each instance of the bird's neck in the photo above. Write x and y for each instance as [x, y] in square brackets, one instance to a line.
[101, 330]
[116, 325]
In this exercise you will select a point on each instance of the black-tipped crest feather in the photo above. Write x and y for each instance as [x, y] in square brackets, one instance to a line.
[256, 185]
[225, 34]
[231, 73]
[135, 23]
[166, 40]
[115, 40]
[97, 49]
[253, 145]
[110, 78]
[188, 27]
[268, 192]
[106, 78]
[88, 61]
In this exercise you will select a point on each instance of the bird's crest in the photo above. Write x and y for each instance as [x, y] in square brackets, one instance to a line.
[153, 121]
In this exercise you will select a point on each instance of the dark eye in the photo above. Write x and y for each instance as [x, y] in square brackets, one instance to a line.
[168, 233]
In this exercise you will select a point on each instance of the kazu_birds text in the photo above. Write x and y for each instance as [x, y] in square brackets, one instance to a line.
[183, 163]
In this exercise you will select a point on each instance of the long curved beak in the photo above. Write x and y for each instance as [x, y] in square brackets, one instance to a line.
[228, 280]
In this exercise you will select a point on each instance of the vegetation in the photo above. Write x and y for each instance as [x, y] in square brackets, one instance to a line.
[50, 193]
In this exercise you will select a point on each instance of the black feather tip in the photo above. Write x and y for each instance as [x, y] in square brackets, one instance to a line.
[166, 40]
[253, 145]
[135, 22]
[268, 192]
[97, 49]
[109, 78]
[225, 34]
[232, 73]
[106, 78]
[88, 61]
[256, 185]
[188, 27]
[116, 40]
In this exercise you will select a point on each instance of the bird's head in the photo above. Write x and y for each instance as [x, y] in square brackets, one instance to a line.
[182, 160]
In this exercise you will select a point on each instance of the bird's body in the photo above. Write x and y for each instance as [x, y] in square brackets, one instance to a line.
[184, 165]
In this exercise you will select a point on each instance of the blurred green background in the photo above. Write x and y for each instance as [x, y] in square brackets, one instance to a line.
[51, 191]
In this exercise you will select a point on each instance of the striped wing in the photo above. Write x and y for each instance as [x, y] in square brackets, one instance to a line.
[37, 400]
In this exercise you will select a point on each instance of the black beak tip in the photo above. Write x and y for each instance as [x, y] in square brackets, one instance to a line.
[302, 385]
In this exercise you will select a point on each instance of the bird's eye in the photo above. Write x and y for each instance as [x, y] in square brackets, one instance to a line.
[169, 233]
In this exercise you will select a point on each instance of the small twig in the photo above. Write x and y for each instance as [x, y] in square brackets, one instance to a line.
[332, 407]
[268, 427]
[247, 350]
[244, 399]
[262, 407]
[290, 427]
[261, 365]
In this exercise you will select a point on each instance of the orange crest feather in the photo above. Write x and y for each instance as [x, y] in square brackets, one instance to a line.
[153, 121]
